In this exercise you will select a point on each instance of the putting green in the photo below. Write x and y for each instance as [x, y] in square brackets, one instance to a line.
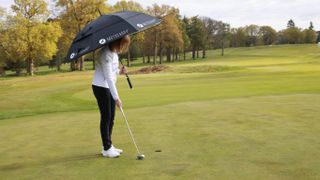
[269, 137]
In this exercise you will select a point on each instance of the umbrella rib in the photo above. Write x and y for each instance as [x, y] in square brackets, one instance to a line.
[118, 22]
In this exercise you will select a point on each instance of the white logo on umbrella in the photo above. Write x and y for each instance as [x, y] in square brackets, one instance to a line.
[102, 41]
[140, 25]
[72, 55]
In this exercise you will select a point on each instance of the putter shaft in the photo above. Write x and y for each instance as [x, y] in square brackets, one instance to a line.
[128, 127]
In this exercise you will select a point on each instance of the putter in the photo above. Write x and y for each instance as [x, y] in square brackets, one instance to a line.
[140, 156]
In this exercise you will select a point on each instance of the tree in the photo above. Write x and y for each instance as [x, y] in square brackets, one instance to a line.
[268, 35]
[12, 53]
[252, 35]
[165, 37]
[221, 32]
[291, 24]
[34, 38]
[311, 26]
[292, 35]
[209, 32]
[238, 37]
[309, 36]
[2, 17]
[186, 40]
[127, 5]
[2, 53]
[152, 35]
[148, 45]
[196, 34]
[171, 38]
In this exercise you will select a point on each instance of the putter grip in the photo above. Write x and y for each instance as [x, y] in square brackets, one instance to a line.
[129, 82]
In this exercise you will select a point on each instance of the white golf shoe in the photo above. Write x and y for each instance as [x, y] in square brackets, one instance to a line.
[110, 153]
[120, 151]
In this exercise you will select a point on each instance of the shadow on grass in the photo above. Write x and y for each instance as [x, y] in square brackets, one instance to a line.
[58, 160]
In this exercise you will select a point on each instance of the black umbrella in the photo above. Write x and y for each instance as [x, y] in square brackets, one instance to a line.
[108, 28]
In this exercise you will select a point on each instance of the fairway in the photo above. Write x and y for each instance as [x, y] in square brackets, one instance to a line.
[252, 114]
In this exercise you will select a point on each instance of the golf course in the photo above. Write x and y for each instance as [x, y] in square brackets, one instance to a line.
[253, 113]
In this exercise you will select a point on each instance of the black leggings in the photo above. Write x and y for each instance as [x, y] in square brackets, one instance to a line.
[107, 111]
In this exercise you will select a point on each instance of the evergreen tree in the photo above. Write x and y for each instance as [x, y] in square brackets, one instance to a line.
[311, 26]
[291, 24]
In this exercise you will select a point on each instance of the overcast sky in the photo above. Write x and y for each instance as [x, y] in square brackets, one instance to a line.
[275, 13]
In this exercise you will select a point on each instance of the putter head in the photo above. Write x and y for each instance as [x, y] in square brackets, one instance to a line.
[140, 157]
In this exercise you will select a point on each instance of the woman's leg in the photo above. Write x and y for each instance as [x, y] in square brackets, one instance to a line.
[104, 102]
[113, 110]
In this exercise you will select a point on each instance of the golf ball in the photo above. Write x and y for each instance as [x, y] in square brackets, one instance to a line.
[140, 157]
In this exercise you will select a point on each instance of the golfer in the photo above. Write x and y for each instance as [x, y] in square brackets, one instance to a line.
[105, 90]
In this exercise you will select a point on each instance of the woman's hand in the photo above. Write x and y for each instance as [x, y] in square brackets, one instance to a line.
[123, 70]
[119, 103]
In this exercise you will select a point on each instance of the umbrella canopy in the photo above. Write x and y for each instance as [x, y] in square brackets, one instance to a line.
[108, 28]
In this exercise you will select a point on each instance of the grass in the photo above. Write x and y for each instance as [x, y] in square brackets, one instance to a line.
[252, 114]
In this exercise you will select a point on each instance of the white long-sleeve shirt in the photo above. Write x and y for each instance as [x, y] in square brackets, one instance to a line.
[106, 71]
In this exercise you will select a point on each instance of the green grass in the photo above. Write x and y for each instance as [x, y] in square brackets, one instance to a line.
[252, 114]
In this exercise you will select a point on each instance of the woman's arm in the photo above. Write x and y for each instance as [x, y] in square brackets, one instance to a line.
[106, 63]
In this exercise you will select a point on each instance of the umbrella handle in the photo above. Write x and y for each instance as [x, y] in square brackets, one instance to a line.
[129, 82]
[128, 79]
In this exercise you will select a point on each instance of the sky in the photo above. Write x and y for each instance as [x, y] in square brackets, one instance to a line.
[275, 13]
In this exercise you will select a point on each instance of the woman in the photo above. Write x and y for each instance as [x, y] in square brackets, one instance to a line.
[105, 91]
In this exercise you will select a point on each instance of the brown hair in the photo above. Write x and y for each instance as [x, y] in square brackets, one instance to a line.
[120, 45]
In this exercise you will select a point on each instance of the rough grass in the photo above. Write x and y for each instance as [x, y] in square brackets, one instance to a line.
[252, 114]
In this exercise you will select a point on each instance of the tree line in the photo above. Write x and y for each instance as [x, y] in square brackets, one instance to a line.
[32, 34]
